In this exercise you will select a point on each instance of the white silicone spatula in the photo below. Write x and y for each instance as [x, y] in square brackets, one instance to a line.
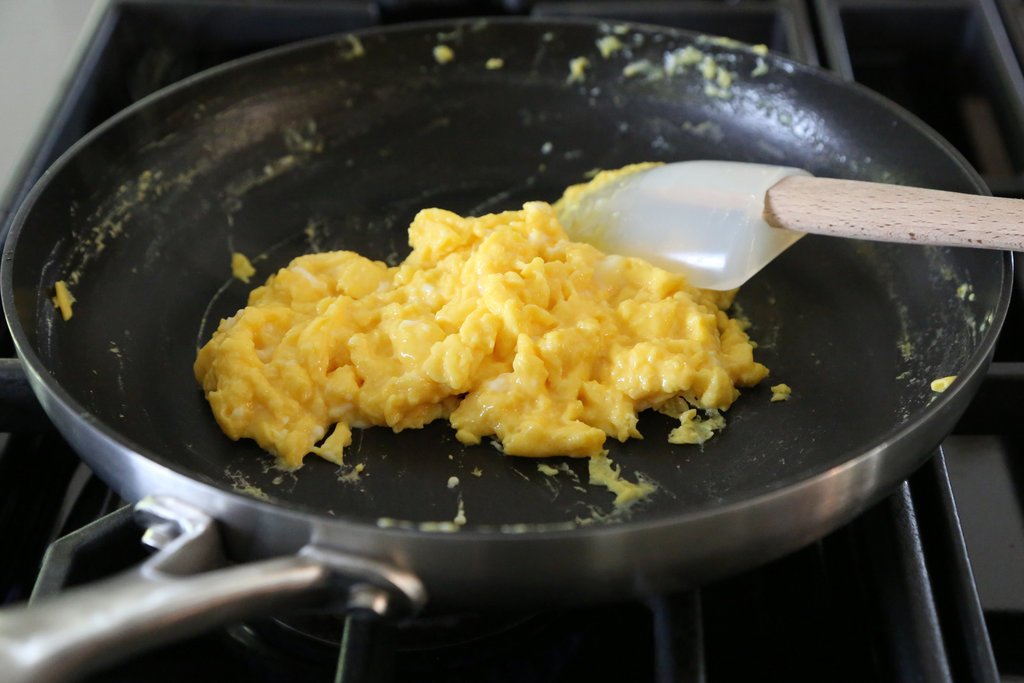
[720, 222]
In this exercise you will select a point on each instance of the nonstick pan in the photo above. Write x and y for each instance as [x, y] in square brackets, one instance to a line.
[334, 144]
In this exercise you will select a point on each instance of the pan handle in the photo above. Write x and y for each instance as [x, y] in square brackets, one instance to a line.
[183, 589]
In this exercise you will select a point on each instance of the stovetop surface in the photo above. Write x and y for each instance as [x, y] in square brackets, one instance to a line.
[888, 597]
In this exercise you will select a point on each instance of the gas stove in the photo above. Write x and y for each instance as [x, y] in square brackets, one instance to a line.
[927, 585]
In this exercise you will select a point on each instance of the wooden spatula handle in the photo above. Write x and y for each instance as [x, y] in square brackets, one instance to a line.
[894, 213]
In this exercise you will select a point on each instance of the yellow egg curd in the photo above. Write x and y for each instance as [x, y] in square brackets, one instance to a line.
[499, 324]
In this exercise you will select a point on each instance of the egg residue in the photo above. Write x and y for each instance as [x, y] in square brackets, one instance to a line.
[63, 300]
[499, 324]
[443, 54]
[781, 392]
[241, 267]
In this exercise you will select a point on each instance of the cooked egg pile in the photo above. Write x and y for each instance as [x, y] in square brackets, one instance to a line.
[499, 324]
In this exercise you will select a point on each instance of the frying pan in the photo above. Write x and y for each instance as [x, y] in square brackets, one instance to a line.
[334, 144]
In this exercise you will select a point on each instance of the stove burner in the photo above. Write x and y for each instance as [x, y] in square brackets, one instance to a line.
[447, 631]
[465, 644]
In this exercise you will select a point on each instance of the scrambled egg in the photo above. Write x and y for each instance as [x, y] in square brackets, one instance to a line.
[609, 45]
[63, 300]
[241, 267]
[578, 70]
[604, 473]
[443, 54]
[499, 324]
[693, 429]
[943, 383]
[781, 392]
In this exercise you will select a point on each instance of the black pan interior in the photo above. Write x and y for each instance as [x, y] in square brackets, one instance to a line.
[321, 147]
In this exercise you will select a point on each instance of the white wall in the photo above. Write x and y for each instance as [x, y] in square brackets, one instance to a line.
[37, 38]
